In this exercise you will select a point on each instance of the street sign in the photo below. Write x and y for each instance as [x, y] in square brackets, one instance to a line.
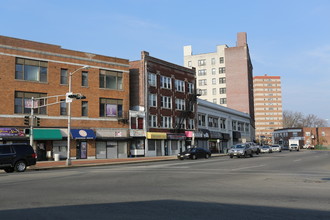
[68, 99]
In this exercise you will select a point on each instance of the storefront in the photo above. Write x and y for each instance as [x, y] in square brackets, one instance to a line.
[175, 143]
[236, 137]
[214, 141]
[43, 142]
[111, 143]
[137, 145]
[156, 142]
[84, 142]
[11, 135]
[201, 138]
[224, 143]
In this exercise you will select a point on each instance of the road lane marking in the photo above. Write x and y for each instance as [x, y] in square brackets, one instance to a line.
[244, 168]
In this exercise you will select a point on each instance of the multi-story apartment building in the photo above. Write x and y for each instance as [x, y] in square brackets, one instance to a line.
[44, 72]
[267, 106]
[225, 77]
[163, 106]
[220, 127]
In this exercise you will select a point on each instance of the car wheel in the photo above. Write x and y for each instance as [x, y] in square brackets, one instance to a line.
[231, 156]
[251, 155]
[207, 156]
[9, 169]
[20, 166]
[194, 157]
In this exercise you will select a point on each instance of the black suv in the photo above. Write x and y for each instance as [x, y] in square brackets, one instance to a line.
[16, 157]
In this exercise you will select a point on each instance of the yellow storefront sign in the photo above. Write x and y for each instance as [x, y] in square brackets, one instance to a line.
[156, 135]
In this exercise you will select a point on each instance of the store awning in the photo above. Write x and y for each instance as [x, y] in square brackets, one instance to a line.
[156, 135]
[47, 134]
[83, 134]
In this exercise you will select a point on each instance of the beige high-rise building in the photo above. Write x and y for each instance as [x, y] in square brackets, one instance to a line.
[225, 77]
[267, 106]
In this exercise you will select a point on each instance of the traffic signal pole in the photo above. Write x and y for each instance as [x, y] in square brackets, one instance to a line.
[31, 123]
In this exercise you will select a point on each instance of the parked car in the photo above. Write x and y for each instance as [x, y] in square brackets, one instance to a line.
[194, 153]
[294, 147]
[240, 150]
[266, 149]
[276, 148]
[16, 157]
[255, 147]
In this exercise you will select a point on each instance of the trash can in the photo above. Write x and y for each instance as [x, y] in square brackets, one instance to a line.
[57, 157]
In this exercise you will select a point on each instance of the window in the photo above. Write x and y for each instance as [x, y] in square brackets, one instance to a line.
[222, 90]
[222, 70]
[222, 123]
[84, 78]
[136, 123]
[222, 80]
[213, 61]
[179, 85]
[166, 122]
[63, 107]
[214, 81]
[64, 77]
[180, 123]
[166, 102]
[213, 71]
[202, 82]
[215, 101]
[84, 108]
[214, 91]
[111, 107]
[165, 82]
[152, 79]
[189, 64]
[31, 70]
[201, 120]
[191, 88]
[191, 124]
[152, 100]
[203, 91]
[201, 62]
[22, 99]
[213, 122]
[152, 121]
[222, 60]
[111, 80]
[180, 104]
[202, 72]
[223, 101]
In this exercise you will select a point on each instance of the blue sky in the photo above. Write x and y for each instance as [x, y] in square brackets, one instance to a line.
[287, 38]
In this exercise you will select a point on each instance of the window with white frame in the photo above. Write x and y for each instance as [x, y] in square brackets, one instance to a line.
[214, 91]
[215, 101]
[202, 72]
[203, 91]
[214, 81]
[152, 79]
[213, 71]
[189, 63]
[179, 85]
[222, 90]
[202, 62]
[166, 122]
[202, 82]
[165, 82]
[180, 104]
[222, 70]
[153, 121]
[222, 80]
[201, 120]
[152, 100]
[191, 88]
[180, 123]
[213, 61]
[222, 59]
[166, 102]
[223, 101]
[191, 124]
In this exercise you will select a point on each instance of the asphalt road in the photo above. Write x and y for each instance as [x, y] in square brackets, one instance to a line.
[287, 185]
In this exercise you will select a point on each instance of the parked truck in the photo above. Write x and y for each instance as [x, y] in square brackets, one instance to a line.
[293, 144]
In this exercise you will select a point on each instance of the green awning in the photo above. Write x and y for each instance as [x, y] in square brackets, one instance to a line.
[47, 134]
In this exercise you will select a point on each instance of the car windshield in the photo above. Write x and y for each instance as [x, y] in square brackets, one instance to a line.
[239, 146]
[265, 147]
[191, 150]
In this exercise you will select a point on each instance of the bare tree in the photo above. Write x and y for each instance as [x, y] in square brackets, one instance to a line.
[297, 119]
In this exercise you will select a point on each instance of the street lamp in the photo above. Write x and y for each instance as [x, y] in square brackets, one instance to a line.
[68, 159]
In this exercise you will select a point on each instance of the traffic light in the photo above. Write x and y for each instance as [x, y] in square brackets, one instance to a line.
[77, 96]
[27, 120]
[37, 121]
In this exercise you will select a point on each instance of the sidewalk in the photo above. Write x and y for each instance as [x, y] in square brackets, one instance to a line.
[45, 165]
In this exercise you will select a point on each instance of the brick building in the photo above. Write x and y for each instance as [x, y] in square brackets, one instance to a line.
[267, 106]
[32, 69]
[163, 106]
[225, 76]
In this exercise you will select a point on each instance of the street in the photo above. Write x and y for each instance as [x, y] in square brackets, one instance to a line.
[286, 185]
